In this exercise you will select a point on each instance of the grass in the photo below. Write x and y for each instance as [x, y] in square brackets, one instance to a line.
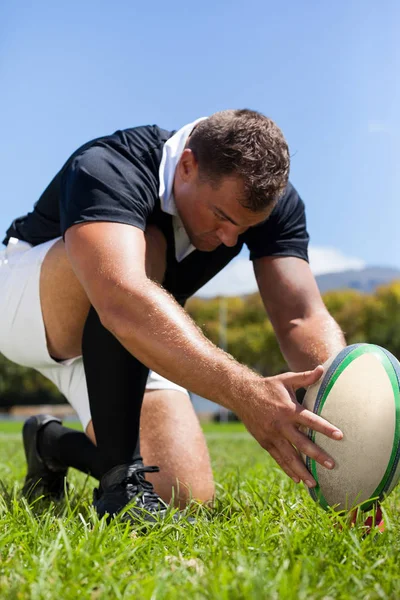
[264, 539]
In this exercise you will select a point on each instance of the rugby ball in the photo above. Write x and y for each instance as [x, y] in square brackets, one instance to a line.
[359, 393]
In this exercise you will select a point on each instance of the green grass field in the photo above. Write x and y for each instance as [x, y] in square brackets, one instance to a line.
[265, 538]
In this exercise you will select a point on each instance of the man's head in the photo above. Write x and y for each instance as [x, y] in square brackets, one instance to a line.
[232, 172]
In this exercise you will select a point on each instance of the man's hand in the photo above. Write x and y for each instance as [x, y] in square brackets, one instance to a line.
[275, 423]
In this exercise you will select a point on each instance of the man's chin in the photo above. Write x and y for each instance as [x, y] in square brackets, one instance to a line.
[204, 246]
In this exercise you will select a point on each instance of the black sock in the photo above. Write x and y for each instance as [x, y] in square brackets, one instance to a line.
[69, 448]
[116, 383]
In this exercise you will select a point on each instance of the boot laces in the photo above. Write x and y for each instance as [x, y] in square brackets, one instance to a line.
[137, 485]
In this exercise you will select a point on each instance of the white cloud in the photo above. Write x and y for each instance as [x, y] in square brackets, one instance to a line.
[331, 260]
[238, 277]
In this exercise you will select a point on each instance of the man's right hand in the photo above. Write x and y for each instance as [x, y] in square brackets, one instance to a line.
[275, 422]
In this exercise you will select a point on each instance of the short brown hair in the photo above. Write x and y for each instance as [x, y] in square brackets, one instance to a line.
[244, 143]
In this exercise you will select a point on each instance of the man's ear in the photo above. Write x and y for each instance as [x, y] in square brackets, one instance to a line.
[187, 165]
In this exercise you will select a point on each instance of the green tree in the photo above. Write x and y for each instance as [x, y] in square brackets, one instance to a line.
[382, 318]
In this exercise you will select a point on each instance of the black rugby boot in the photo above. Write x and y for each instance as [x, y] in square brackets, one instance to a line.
[44, 477]
[125, 487]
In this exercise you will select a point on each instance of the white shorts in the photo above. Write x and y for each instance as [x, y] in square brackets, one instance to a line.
[22, 333]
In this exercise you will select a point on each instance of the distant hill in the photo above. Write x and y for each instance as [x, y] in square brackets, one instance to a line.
[364, 280]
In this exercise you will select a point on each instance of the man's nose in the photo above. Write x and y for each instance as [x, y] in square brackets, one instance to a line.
[228, 235]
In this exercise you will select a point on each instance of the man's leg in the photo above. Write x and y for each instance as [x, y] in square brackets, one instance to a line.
[115, 379]
[116, 383]
[171, 437]
[64, 303]
[64, 307]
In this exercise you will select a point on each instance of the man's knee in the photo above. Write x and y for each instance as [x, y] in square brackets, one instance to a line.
[171, 437]
[182, 491]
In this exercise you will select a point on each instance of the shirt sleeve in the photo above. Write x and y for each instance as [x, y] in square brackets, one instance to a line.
[284, 233]
[104, 183]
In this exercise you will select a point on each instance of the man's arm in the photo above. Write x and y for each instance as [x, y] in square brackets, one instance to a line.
[109, 261]
[307, 334]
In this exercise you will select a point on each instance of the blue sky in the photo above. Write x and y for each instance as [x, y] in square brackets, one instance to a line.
[327, 73]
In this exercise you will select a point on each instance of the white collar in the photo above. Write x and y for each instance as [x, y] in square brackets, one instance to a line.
[172, 151]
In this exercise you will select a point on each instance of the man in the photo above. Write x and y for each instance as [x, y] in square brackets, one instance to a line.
[93, 282]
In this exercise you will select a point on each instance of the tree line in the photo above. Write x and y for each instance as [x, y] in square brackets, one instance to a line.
[250, 338]
[241, 326]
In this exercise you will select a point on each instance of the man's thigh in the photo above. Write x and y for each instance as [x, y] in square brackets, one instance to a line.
[64, 302]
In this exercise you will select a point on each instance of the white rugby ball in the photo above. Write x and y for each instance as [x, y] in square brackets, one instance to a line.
[359, 393]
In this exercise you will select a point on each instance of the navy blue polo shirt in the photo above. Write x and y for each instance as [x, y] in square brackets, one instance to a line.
[116, 178]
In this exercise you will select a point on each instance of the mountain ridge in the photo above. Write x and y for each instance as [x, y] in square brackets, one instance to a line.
[364, 280]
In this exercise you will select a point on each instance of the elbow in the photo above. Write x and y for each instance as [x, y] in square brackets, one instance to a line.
[113, 319]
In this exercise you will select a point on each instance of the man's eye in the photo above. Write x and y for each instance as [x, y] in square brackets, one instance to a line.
[220, 217]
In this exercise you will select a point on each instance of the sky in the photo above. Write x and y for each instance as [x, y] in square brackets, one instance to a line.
[326, 72]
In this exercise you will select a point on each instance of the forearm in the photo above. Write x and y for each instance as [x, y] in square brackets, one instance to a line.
[156, 330]
[111, 262]
[308, 342]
